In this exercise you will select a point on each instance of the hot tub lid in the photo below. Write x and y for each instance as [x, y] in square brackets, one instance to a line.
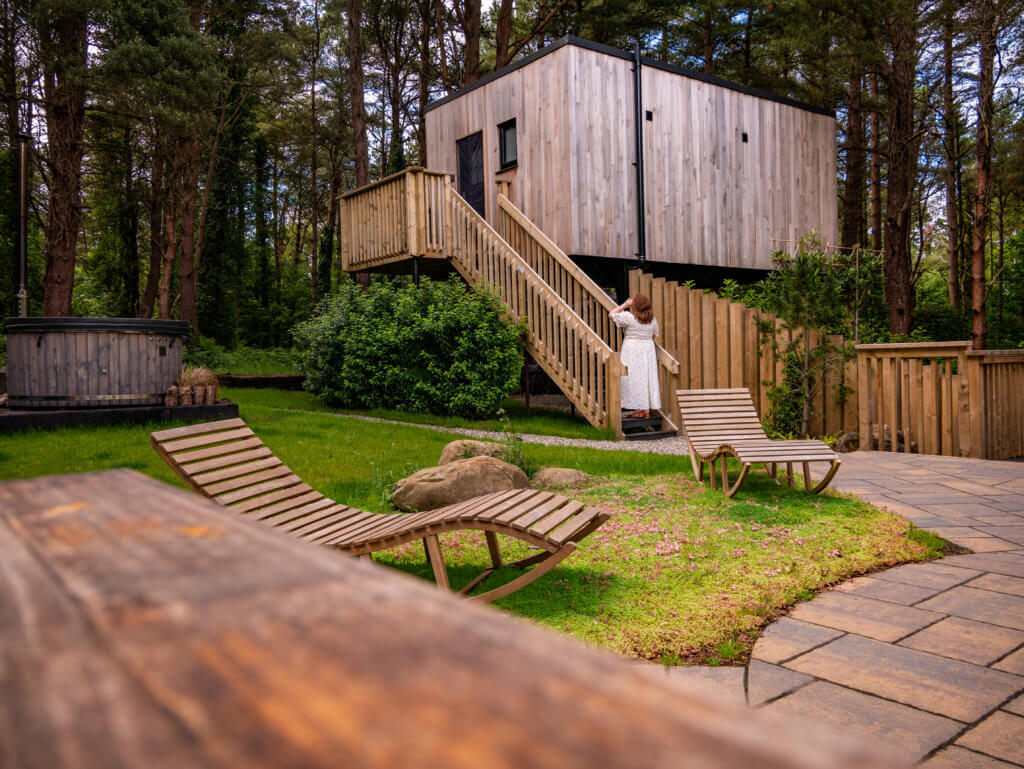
[139, 325]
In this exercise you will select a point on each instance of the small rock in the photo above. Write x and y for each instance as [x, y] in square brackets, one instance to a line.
[560, 477]
[464, 449]
[848, 442]
[457, 481]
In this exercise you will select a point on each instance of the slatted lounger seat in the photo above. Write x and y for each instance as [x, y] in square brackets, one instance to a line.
[226, 462]
[723, 423]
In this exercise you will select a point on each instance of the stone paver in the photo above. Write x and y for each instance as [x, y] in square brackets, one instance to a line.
[955, 757]
[726, 683]
[865, 616]
[982, 605]
[913, 733]
[1012, 663]
[885, 590]
[1001, 735]
[788, 637]
[766, 682]
[1015, 706]
[946, 638]
[937, 684]
[929, 658]
[937, 576]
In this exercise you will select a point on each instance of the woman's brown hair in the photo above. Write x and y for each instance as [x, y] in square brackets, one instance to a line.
[642, 308]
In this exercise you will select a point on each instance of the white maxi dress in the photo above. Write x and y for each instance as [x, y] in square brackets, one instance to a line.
[640, 391]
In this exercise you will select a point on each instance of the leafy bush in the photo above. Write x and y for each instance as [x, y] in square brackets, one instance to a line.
[433, 347]
[3, 350]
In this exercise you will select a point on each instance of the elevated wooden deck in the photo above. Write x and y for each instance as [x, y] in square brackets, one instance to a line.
[418, 214]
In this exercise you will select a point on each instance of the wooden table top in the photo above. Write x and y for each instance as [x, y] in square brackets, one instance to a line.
[142, 626]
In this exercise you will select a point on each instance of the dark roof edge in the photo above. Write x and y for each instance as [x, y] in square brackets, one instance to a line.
[620, 54]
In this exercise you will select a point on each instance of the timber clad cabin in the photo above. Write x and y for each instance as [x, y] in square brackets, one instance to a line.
[728, 172]
[542, 185]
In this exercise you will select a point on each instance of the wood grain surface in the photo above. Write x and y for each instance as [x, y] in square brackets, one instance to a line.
[141, 626]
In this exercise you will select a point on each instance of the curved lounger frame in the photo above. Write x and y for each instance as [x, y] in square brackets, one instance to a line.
[724, 423]
[226, 462]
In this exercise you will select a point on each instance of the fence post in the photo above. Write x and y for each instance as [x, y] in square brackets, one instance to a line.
[976, 408]
[613, 393]
[863, 402]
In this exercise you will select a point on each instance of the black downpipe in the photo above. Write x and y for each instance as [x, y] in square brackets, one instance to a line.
[638, 118]
[22, 225]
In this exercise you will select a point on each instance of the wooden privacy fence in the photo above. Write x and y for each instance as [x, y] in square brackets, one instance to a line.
[941, 398]
[717, 344]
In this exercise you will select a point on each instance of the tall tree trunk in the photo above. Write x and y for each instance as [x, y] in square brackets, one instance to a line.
[129, 232]
[9, 260]
[986, 17]
[899, 291]
[170, 242]
[875, 167]
[188, 258]
[503, 34]
[360, 146]
[709, 44]
[156, 230]
[853, 189]
[950, 118]
[426, 11]
[63, 37]
[262, 244]
[471, 34]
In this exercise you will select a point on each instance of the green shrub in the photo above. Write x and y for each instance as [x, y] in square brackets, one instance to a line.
[434, 347]
[3, 350]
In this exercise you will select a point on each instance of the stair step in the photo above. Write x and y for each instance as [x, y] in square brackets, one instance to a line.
[641, 423]
[652, 435]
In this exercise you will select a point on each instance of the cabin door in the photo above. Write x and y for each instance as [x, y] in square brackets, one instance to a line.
[470, 152]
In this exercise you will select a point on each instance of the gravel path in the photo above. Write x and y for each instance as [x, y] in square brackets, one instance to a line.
[662, 446]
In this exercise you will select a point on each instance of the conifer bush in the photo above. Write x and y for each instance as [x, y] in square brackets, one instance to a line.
[436, 347]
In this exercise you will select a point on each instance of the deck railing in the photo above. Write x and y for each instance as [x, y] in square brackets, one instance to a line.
[398, 217]
[587, 299]
[579, 361]
[941, 398]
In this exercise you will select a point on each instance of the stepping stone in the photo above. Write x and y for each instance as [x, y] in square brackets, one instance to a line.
[1000, 583]
[955, 757]
[787, 637]
[984, 544]
[1014, 663]
[936, 684]
[766, 682]
[1011, 564]
[982, 489]
[884, 590]
[864, 616]
[938, 576]
[967, 640]
[982, 605]
[1015, 706]
[910, 733]
[1000, 735]
[1013, 533]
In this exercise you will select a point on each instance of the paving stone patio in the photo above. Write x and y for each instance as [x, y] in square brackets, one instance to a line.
[926, 658]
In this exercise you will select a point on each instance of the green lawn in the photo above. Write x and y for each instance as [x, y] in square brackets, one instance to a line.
[540, 421]
[680, 574]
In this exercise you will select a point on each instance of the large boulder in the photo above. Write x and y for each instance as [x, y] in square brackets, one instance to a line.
[434, 487]
[560, 477]
[464, 449]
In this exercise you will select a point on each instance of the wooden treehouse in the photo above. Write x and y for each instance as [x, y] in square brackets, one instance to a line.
[551, 177]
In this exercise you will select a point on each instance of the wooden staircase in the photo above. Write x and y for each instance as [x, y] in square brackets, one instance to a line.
[418, 214]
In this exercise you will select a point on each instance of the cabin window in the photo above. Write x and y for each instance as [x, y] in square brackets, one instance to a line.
[507, 144]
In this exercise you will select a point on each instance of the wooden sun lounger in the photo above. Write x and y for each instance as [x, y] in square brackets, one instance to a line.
[226, 462]
[723, 423]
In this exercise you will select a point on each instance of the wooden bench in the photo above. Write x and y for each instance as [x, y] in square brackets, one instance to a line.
[228, 463]
[723, 423]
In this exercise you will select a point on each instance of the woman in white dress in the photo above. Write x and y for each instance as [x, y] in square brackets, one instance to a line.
[640, 391]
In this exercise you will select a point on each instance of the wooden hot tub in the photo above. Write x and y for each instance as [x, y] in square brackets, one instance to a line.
[91, 362]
